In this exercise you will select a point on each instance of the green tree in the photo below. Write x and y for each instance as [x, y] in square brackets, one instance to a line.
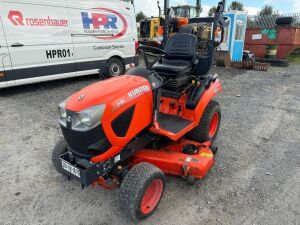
[140, 16]
[212, 11]
[236, 5]
[267, 10]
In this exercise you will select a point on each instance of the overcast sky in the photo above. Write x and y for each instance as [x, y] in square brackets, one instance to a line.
[252, 6]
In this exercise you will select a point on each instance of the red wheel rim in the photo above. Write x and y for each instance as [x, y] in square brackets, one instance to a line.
[152, 196]
[213, 126]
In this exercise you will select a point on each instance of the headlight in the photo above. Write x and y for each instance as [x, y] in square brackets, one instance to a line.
[88, 118]
[63, 113]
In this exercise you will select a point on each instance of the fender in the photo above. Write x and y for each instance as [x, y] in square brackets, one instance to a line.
[115, 53]
[214, 89]
[193, 115]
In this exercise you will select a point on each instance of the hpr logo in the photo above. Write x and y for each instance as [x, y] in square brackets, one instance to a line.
[108, 21]
[16, 18]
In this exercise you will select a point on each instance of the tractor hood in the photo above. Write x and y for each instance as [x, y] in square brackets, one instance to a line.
[113, 93]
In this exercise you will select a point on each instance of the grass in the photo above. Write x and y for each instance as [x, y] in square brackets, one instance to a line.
[294, 58]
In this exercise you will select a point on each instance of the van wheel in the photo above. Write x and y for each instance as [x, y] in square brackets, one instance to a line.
[116, 67]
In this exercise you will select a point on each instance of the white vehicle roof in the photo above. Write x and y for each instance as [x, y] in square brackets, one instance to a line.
[97, 3]
[77, 3]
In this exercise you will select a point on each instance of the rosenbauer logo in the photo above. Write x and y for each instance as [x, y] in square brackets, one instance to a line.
[108, 24]
[17, 18]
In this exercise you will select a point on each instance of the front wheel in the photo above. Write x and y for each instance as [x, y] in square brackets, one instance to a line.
[116, 67]
[59, 149]
[142, 190]
[209, 125]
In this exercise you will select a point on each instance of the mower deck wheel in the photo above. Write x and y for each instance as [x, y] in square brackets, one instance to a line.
[142, 190]
[209, 125]
[59, 149]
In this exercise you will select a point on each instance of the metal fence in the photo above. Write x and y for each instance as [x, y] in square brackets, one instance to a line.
[270, 21]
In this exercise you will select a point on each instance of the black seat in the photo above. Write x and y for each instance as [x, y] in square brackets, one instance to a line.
[180, 56]
[172, 67]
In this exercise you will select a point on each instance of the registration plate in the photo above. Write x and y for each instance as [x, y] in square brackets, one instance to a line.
[71, 169]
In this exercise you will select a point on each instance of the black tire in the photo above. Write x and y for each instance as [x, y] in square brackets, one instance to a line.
[274, 62]
[250, 63]
[59, 149]
[284, 20]
[201, 133]
[116, 67]
[247, 56]
[135, 185]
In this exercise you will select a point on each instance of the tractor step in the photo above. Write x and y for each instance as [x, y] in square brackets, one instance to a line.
[172, 123]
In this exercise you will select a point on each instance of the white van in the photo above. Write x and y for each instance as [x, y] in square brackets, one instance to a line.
[43, 40]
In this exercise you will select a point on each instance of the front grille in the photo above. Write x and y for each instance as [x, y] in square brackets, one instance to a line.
[86, 144]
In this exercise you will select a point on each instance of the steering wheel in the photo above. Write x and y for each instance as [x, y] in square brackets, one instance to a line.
[144, 48]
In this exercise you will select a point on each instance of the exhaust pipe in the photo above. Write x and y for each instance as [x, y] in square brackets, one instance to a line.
[159, 9]
[198, 8]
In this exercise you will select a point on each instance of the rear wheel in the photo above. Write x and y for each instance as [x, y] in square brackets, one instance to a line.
[59, 149]
[209, 125]
[116, 67]
[142, 190]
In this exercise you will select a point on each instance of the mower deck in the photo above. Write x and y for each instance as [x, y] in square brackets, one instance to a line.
[184, 158]
[172, 160]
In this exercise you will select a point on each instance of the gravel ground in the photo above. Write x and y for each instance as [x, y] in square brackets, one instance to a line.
[256, 178]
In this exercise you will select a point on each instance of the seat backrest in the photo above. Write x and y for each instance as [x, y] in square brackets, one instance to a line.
[181, 47]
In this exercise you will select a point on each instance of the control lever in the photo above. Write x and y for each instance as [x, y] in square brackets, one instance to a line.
[210, 79]
[157, 97]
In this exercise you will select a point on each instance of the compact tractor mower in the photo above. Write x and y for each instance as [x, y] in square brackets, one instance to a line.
[131, 130]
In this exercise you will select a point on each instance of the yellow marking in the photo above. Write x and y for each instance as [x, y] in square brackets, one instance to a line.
[206, 154]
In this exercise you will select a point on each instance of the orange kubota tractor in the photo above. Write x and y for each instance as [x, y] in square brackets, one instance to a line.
[131, 130]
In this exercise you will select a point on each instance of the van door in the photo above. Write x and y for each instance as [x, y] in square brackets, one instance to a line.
[5, 63]
[39, 39]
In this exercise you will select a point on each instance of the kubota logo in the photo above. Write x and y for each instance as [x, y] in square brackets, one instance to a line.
[17, 19]
[107, 24]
